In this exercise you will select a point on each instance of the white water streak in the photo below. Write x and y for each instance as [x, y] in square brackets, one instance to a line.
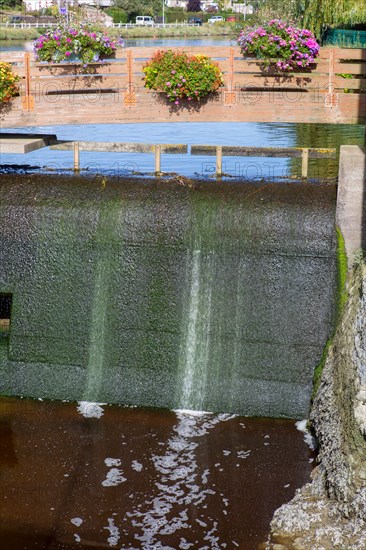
[195, 349]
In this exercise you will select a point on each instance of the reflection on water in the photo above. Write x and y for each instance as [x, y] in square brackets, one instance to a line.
[169, 42]
[210, 133]
[100, 477]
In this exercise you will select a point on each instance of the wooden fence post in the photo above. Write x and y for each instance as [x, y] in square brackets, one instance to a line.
[130, 95]
[304, 166]
[76, 157]
[230, 94]
[331, 98]
[27, 98]
[157, 159]
[219, 161]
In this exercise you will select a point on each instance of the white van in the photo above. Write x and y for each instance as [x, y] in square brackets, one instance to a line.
[144, 20]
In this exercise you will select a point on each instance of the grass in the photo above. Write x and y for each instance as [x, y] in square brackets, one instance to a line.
[218, 29]
[8, 33]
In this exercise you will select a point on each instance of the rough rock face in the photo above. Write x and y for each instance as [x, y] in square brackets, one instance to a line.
[330, 512]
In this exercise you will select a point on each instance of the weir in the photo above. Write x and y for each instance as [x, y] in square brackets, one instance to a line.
[151, 293]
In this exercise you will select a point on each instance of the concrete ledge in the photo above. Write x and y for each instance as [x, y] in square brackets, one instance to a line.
[351, 200]
[24, 143]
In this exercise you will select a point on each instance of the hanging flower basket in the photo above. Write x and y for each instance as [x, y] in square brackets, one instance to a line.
[8, 82]
[80, 44]
[180, 76]
[280, 46]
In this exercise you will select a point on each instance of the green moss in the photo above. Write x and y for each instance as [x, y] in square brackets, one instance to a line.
[319, 369]
[342, 270]
[342, 295]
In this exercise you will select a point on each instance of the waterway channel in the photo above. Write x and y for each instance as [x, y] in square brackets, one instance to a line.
[89, 476]
[97, 476]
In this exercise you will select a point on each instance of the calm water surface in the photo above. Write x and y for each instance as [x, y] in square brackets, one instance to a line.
[210, 133]
[21, 45]
[142, 479]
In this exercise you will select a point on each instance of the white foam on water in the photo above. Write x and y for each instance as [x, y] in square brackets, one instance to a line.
[137, 466]
[112, 462]
[301, 425]
[77, 521]
[180, 484]
[244, 454]
[189, 412]
[90, 410]
[114, 534]
[114, 477]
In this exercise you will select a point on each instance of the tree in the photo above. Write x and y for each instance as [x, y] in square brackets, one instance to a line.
[321, 15]
[139, 7]
[288, 10]
[193, 5]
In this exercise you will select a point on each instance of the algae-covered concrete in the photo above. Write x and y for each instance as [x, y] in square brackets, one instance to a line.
[128, 291]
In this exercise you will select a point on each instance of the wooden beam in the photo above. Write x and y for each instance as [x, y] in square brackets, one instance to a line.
[116, 147]
[281, 152]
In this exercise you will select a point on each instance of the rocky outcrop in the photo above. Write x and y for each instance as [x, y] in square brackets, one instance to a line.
[330, 512]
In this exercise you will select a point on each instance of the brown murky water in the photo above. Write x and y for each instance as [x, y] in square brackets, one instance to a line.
[142, 479]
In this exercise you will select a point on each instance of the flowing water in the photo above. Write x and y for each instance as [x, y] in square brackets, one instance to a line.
[92, 476]
[172, 295]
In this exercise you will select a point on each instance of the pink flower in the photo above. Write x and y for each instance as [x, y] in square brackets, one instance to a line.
[167, 84]
[176, 102]
[67, 54]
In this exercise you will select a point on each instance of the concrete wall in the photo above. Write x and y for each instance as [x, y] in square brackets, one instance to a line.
[131, 292]
[351, 199]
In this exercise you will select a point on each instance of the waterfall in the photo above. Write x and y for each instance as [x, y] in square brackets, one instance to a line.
[194, 352]
[100, 303]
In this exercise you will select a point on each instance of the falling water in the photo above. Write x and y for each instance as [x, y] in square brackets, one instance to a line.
[194, 353]
[99, 301]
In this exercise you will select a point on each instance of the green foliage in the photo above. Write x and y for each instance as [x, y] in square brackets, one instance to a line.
[11, 4]
[290, 10]
[139, 7]
[8, 82]
[324, 14]
[194, 5]
[181, 76]
[118, 14]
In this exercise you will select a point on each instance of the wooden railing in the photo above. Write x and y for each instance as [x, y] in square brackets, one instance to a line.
[305, 153]
[334, 90]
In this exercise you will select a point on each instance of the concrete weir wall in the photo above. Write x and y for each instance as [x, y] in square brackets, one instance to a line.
[351, 199]
[208, 296]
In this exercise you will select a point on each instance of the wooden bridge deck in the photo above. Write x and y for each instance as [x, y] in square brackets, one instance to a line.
[334, 91]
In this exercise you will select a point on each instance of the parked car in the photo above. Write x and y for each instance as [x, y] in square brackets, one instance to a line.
[216, 19]
[145, 20]
[195, 21]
